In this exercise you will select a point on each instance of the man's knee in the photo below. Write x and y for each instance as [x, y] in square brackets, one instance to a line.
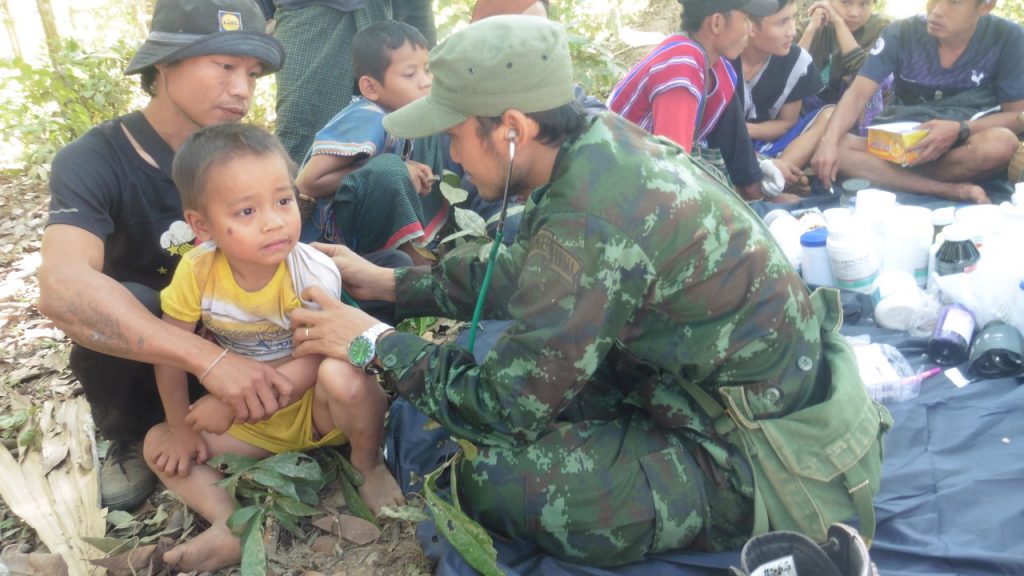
[992, 148]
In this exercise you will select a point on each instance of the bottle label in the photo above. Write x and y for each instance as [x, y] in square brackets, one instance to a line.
[958, 321]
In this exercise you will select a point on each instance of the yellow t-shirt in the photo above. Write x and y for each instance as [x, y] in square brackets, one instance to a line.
[253, 324]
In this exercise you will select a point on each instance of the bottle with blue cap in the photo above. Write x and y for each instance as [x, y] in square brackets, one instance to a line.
[815, 266]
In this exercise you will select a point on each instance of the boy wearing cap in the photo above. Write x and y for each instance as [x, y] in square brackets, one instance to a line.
[951, 69]
[114, 234]
[637, 285]
[684, 88]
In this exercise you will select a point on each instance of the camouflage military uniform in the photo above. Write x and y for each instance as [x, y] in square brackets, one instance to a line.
[632, 271]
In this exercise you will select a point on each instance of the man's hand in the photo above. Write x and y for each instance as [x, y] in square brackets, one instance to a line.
[253, 389]
[826, 162]
[361, 279]
[175, 451]
[942, 135]
[210, 414]
[821, 14]
[329, 330]
[422, 177]
[790, 173]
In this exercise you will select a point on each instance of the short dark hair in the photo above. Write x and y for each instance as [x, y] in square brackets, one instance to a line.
[216, 144]
[556, 125]
[372, 47]
[692, 22]
[782, 4]
[147, 78]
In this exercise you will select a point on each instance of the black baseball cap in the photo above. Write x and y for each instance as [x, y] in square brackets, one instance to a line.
[188, 28]
[758, 8]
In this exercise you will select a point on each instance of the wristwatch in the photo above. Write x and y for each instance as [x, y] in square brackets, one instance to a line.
[965, 133]
[363, 349]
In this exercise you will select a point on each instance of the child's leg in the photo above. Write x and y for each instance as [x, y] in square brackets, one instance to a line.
[352, 401]
[217, 546]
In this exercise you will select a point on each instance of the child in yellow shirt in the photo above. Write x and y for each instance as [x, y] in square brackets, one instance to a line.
[242, 283]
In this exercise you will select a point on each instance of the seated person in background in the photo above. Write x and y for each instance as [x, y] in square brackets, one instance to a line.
[383, 209]
[684, 87]
[777, 76]
[955, 63]
[838, 35]
[243, 282]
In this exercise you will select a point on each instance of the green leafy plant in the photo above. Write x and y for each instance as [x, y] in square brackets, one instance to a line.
[283, 487]
[45, 107]
[464, 534]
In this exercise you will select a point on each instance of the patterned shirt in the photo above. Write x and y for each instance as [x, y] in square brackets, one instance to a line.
[678, 62]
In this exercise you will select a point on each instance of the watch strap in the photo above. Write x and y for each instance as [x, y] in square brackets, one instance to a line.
[371, 334]
[965, 133]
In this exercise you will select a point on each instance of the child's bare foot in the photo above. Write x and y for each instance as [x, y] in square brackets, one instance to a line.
[213, 549]
[380, 489]
[210, 414]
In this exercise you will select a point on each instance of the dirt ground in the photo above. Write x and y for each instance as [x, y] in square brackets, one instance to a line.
[34, 365]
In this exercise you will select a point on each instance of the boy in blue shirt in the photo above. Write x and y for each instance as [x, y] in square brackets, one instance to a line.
[368, 214]
[950, 68]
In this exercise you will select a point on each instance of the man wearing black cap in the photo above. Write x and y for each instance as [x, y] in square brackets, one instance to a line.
[114, 235]
[685, 86]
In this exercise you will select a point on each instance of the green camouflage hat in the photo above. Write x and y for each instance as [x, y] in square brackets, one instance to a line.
[496, 64]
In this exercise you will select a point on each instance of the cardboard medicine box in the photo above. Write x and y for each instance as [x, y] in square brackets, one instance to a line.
[893, 142]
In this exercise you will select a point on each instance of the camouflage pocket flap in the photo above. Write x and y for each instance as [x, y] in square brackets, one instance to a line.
[823, 441]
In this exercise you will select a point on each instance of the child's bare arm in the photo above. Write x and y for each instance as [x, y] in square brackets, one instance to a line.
[302, 372]
[322, 174]
[181, 445]
[210, 414]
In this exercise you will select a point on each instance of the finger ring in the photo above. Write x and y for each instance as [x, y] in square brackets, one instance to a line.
[307, 332]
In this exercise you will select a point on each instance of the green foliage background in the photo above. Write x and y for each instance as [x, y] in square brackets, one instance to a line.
[43, 106]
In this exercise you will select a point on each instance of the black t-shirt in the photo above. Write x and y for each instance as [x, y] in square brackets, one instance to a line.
[783, 79]
[100, 183]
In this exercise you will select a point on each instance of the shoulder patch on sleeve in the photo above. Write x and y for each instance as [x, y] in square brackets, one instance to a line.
[555, 257]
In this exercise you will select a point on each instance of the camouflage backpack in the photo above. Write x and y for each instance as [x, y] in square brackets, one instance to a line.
[818, 465]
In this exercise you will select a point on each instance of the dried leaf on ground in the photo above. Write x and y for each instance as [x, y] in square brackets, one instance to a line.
[142, 561]
[351, 528]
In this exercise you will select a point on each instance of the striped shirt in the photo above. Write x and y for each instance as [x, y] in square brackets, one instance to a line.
[678, 62]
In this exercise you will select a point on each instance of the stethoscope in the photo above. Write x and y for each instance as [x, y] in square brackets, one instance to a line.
[511, 137]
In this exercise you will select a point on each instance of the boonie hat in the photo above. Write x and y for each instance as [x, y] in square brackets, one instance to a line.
[491, 66]
[189, 28]
[759, 8]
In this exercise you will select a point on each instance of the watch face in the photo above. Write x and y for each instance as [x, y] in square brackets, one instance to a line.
[360, 351]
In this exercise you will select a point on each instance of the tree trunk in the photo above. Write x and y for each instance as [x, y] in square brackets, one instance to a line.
[49, 29]
[12, 35]
[142, 11]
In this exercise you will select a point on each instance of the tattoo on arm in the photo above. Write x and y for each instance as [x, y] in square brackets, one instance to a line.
[97, 330]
